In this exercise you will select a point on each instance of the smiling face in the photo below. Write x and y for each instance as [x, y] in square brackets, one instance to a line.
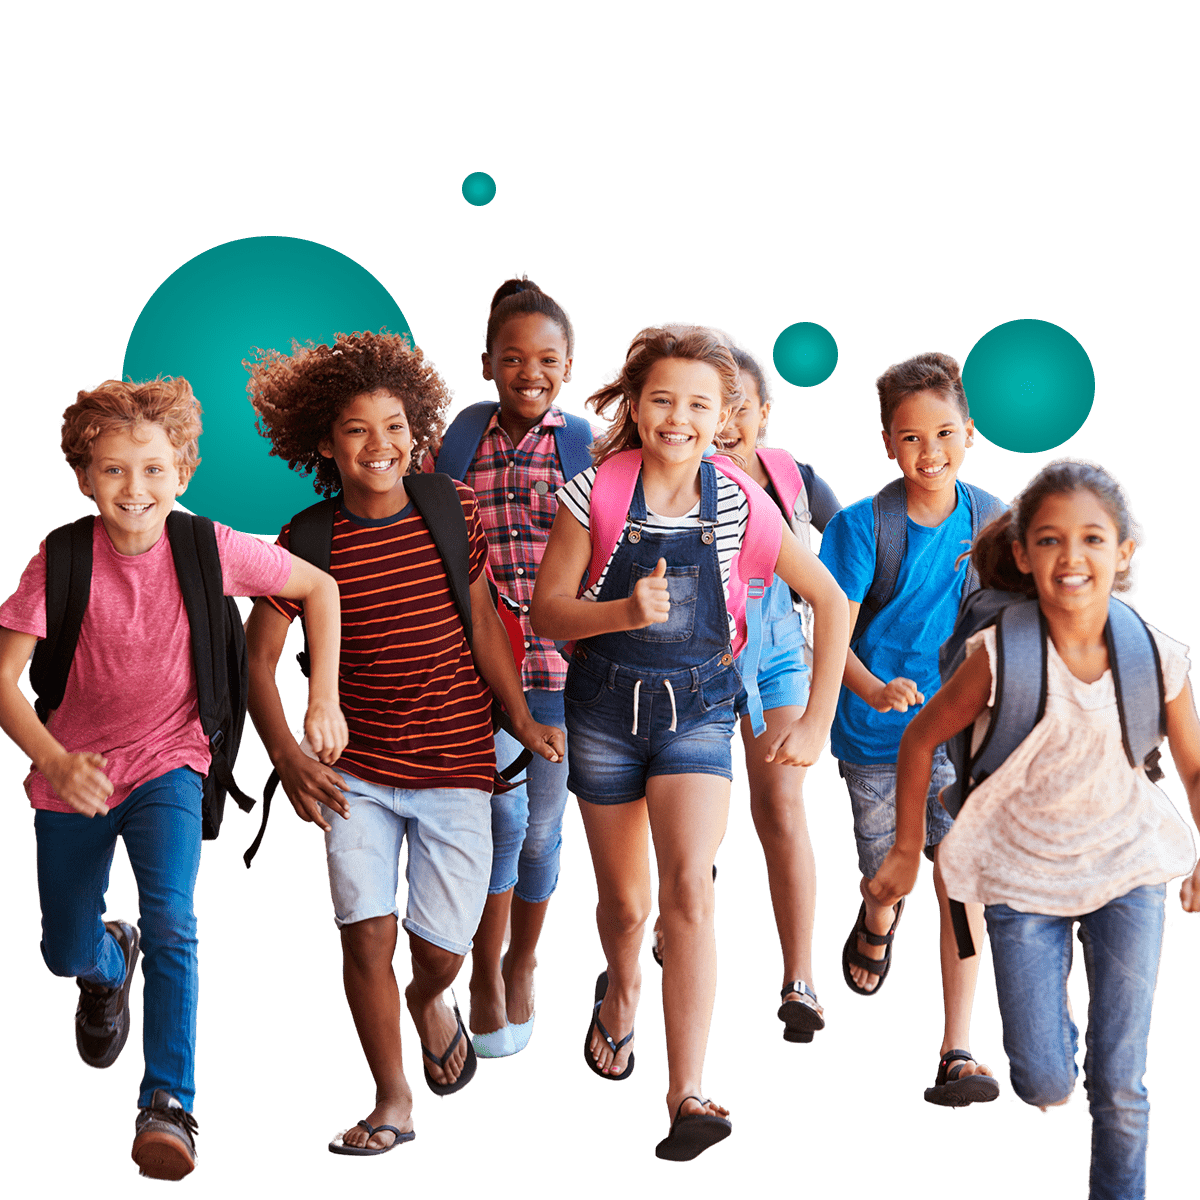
[1073, 551]
[742, 432]
[928, 439]
[134, 478]
[528, 363]
[679, 411]
[371, 444]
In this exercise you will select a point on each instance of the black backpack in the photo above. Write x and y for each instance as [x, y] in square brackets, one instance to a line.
[1021, 658]
[218, 641]
[434, 496]
[890, 511]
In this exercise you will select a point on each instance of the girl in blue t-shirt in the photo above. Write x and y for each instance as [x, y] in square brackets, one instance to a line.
[892, 666]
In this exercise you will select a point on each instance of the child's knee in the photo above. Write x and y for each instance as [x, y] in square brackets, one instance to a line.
[688, 897]
[370, 942]
[167, 927]
[1044, 1088]
[626, 912]
[69, 962]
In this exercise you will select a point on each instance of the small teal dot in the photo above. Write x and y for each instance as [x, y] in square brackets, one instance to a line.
[479, 188]
[1030, 385]
[805, 354]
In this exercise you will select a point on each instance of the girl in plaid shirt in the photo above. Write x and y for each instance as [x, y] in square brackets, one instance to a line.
[515, 474]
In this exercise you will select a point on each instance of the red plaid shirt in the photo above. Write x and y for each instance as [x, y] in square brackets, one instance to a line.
[515, 488]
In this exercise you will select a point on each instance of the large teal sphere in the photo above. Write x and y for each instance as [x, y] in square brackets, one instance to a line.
[805, 354]
[223, 306]
[1030, 385]
[479, 188]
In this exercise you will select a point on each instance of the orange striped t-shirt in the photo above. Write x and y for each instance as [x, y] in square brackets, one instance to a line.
[419, 714]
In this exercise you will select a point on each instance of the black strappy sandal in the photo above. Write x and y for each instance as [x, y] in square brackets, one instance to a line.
[614, 1046]
[875, 966]
[800, 1020]
[468, 1068]
[953, 1089]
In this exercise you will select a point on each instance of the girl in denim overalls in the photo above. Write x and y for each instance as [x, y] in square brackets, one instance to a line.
[650, 695]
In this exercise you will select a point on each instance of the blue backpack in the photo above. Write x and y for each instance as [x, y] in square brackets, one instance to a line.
[1021, 635]
[465, 432]
[890, 510]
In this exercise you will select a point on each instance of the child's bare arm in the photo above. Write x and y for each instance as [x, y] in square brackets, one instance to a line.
[898, 694]
[493, 657]
[1183, 736]
[801, 742]
[556, 612]
[306, 782]
[952, 708]
[77, 779]
[324, 723]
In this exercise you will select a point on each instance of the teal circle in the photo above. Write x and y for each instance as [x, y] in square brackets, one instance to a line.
[1030, 385]
[479, 188]
[805, 354]
[222, 307]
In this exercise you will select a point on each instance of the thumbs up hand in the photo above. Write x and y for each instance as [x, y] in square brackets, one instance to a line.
[651, 602]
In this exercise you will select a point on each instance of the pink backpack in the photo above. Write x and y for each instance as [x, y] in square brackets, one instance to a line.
[750, 573]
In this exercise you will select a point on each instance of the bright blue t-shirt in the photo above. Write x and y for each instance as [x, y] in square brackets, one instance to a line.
[906, 634]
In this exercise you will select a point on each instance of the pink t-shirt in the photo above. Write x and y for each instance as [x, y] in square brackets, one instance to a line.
[131, 693]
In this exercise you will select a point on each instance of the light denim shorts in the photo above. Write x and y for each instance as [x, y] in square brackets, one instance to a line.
[449, 833]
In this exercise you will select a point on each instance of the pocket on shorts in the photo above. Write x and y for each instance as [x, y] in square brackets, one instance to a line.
[720, 689]
[683, 584]
[583, 687]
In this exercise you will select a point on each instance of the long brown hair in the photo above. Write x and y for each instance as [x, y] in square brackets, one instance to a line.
[695, 343]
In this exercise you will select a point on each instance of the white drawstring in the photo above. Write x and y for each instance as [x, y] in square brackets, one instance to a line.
[671, 693]
[637, 688]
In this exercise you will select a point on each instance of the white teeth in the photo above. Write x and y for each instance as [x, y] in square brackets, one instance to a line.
[932, 470]
[134, 509]
[381, 465]
[675, 439]
[1072, 580]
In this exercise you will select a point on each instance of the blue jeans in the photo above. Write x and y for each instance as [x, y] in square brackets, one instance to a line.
[160, 822]
[1032, 956]
[527, 821]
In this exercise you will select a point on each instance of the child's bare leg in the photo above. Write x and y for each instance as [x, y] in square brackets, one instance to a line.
[958, 976]
[521, 958]
[617, 838]
[367, 949]
[487, 985]
[434, 970]
[688, 814]
[777, 808]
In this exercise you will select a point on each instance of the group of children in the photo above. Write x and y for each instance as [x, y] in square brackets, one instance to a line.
[652, 598]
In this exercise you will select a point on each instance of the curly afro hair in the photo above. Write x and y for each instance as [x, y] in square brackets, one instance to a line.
[298, 396]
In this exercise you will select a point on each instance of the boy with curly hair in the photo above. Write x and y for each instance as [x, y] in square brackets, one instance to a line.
[416, 687]
[125, 754]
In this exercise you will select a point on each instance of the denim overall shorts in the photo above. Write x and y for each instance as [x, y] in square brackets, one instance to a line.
[658, 700]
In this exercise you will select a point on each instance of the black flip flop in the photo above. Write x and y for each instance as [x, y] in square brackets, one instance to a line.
[468, 1070]
[615, 1047]
[952, 1089]
[876, 966]
[692, 1134]
[655, 952]
[337, 1146]
[800, 1020]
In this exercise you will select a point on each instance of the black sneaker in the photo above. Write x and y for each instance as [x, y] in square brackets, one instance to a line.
[164, 1142]
[102, 1016]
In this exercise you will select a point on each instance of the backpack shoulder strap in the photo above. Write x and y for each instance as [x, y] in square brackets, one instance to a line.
[985, 508]
[608, 507]
[573, 441]
[1137, 680]
[68, 589]
[1020, 686]
[198, 569]
[462, 437]
[890, 512]
[310, 532]
[436, 499]
[784, 473]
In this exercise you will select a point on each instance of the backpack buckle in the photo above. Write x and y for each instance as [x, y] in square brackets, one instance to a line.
[756, 589]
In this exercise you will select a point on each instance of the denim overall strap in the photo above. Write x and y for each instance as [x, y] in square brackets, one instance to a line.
[698, 627]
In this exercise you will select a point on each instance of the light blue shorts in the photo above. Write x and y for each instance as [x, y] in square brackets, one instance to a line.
[783, 673]
[449, 833]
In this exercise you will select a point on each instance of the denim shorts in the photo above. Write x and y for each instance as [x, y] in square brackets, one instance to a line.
[783, 674]
[449, 833]
[872, 788]
[619, 723]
